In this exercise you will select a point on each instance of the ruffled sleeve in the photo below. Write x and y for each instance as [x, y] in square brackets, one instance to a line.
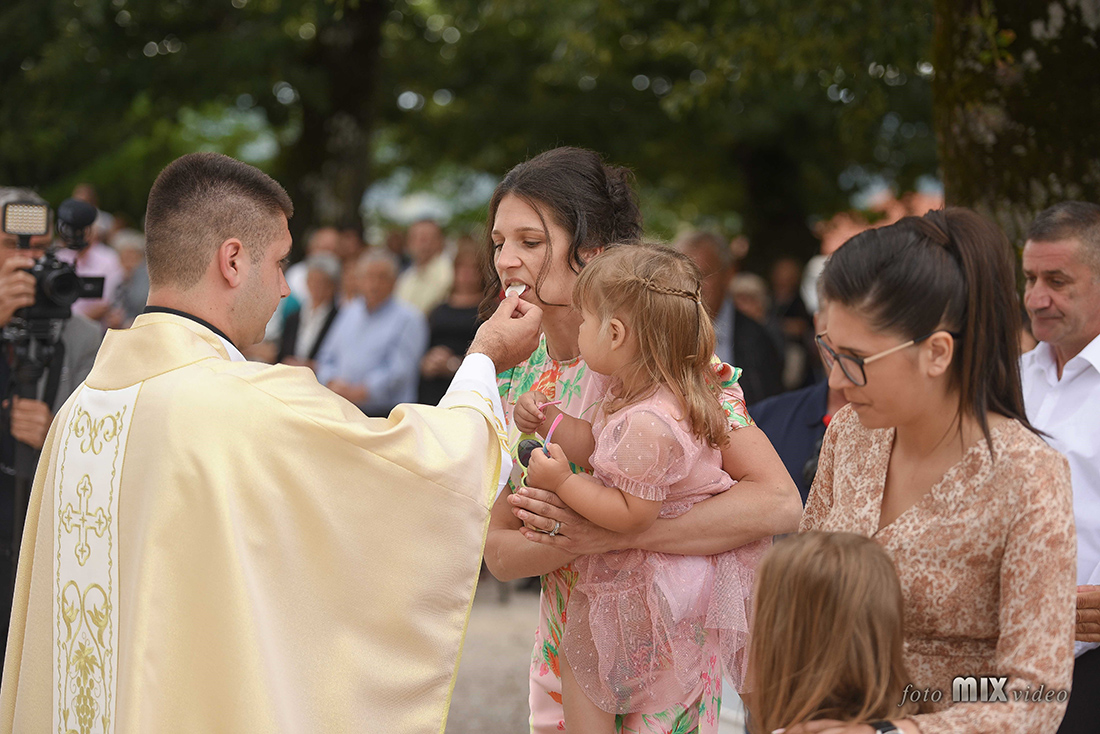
[642, 451]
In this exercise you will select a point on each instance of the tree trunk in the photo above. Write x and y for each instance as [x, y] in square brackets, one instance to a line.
[328, 168]
[775, 213]
[1017, 105]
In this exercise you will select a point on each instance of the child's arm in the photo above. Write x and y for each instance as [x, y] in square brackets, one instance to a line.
[608, 507]
[572, 434]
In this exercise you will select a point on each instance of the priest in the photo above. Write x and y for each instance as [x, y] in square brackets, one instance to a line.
[219, 545]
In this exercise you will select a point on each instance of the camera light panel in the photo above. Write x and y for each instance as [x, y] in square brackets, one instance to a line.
[26, 219]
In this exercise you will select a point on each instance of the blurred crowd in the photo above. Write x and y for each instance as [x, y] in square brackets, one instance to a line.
[388, 323]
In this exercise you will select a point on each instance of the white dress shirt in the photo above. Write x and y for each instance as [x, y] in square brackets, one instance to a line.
[723, 331]
[478, 374]
[310, 322]
[1068, 410]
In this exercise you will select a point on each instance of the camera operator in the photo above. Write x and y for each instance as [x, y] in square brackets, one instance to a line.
[29, 419]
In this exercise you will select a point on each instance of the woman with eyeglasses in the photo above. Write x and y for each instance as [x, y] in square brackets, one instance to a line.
[935, 460]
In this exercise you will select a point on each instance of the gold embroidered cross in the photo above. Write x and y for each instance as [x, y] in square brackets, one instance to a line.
[82, 520]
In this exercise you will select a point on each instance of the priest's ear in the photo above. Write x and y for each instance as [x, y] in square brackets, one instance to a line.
[230, 260]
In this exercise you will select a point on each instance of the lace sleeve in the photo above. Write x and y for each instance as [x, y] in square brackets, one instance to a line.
[642, 452]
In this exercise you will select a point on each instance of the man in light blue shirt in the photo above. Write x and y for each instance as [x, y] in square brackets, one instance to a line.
[371, 355]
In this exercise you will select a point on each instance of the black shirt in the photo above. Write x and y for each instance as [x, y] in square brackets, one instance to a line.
[453, 328]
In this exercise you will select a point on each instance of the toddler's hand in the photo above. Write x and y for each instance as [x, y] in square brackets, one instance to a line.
[527, 415]
[548, 472]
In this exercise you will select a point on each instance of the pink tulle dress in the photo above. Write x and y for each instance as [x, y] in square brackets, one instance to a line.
[639, 621]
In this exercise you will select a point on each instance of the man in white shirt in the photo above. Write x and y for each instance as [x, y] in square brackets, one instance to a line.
[428, 281]
[1061, 381]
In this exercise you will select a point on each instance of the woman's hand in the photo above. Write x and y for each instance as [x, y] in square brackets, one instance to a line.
[1088, 613]
[527, 414]
[542, 510]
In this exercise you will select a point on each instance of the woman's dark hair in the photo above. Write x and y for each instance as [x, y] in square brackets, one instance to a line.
[950, 269]
[592, 201]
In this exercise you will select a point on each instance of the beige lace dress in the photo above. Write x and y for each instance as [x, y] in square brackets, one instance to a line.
[987, 566]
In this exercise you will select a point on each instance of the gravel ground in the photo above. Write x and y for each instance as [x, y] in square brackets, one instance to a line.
[490, 695]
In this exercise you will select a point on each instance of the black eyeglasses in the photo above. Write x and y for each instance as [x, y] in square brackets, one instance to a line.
[853, 367]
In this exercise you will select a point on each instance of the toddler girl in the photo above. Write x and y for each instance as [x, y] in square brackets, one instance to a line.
[638, 622]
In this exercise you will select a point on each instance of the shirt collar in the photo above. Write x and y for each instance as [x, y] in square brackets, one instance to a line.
[1042, 359]
[381, 306]
[1091, 353]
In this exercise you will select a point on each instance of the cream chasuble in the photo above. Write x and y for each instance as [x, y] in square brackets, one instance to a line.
[226, 546]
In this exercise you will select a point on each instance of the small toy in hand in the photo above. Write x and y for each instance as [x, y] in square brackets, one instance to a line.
[528, 445]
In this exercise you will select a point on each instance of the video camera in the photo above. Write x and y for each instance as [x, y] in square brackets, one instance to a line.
[57, 286]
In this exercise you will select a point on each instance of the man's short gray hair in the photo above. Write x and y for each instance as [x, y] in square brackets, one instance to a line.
[324, 263]
[752, 286]
[376, 254]
[1071, 220]
[706, 240]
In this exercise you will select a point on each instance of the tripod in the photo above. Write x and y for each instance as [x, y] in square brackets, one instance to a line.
[32, 355]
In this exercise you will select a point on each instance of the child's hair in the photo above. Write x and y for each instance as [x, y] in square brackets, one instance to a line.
[827, 633]
[655, 290]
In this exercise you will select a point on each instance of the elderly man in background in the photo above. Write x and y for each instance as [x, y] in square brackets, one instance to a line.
[322, 240]
[133, 292]
[371, 355]
[1061, 381]
[740, 341]
[305, 329]
[426, 283]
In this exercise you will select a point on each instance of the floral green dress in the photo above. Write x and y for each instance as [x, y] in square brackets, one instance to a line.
[570, 382]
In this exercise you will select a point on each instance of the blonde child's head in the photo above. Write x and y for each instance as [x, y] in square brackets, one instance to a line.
[655, 292]
[827, 633]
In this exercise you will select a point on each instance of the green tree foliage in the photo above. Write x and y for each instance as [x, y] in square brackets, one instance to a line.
[751, 115]
[112, 90]
[1017, 104]
[771, 109]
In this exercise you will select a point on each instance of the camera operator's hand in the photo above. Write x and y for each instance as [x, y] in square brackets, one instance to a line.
[30, 421]
[16, 286]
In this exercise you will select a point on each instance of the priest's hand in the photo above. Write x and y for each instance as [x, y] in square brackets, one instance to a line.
[510, 335]
[30, 421]
[1088, 613]
[16, 285]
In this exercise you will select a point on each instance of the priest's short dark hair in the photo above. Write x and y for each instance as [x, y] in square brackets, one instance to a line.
[198, 202]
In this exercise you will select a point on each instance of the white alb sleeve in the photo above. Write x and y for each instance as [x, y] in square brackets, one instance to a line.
[478, 374]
